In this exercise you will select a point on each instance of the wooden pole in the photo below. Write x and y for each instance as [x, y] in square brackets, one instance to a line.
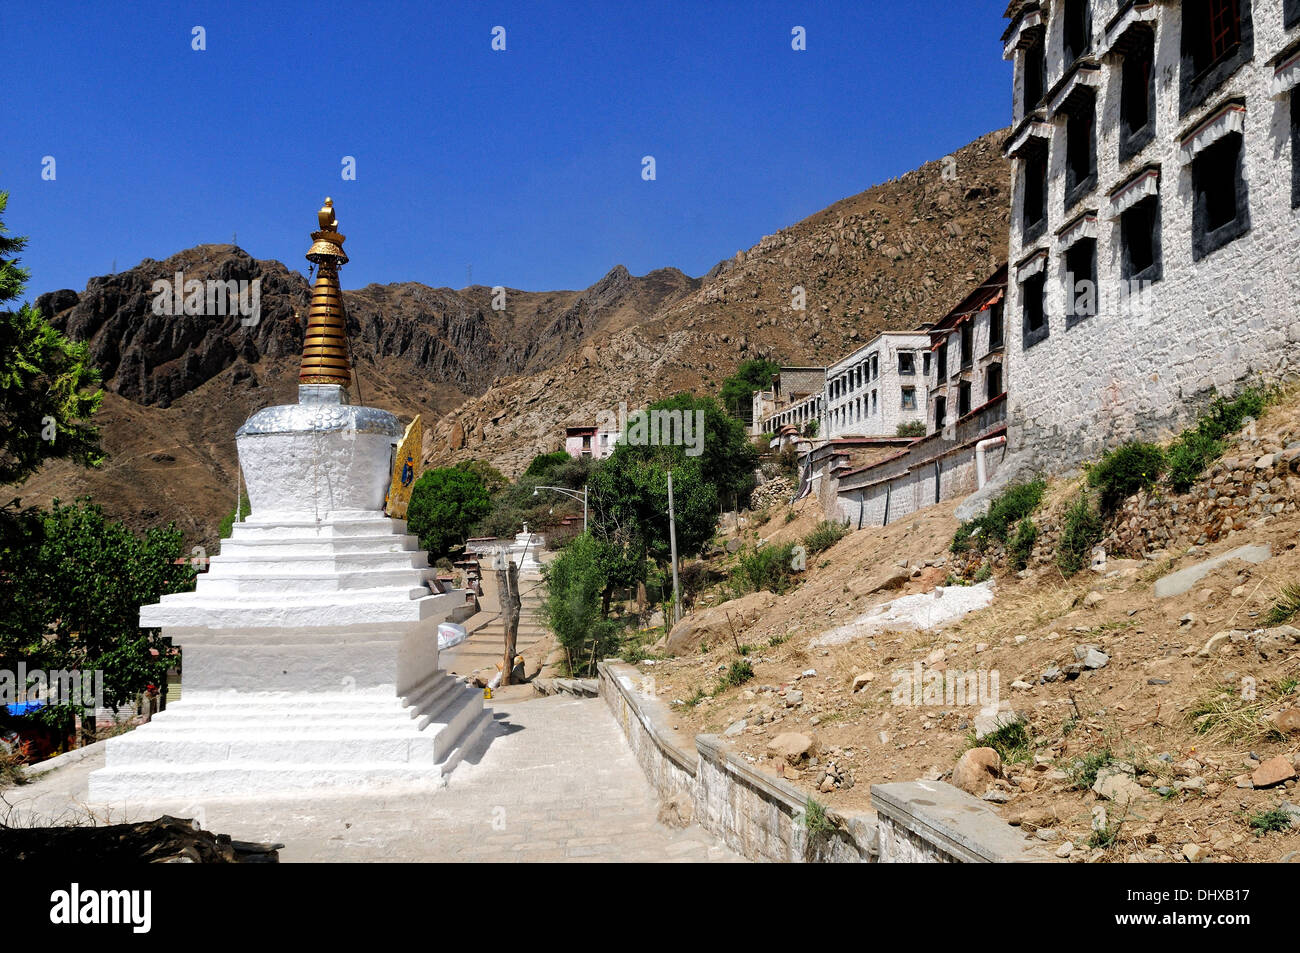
[672, 544]
[508, 590]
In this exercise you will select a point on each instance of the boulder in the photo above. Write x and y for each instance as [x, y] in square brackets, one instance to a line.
[712, 626]
[1273, 771]
[792, 746]
[976, 770]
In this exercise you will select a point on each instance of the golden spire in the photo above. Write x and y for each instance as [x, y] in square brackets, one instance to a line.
[325, 343]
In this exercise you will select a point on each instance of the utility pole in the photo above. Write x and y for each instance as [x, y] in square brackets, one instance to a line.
[672, 546]
[508, 593]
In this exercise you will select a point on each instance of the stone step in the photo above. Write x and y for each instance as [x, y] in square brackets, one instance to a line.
[311, 529]
[313, 546]
[237, 583]
[341, 562]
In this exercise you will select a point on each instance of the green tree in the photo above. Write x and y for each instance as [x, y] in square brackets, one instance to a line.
[574, 584]
[445, 505]
[738, 390]
[546, 461]
[629, 503]
[76, 581]
[44, 381]
[727, 458]
[493, 479]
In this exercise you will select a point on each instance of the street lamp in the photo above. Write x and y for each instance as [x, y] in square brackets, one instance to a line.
[571, 494]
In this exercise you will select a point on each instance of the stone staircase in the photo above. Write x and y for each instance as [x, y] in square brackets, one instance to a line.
[485, 646]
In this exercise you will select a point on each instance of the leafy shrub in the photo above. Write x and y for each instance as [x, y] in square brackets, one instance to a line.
[768, 567]
[1189, 456]
[1021, 546]
[1198, 446]
[546, 461]
[913, 428]
[823, 536]
[1015, 503]
[1082, 531]
[1124, 471]
[983, 574]
[738, 674]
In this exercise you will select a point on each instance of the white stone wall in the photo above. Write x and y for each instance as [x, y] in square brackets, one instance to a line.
[1211, 324]
[983, 357]
[850, 412]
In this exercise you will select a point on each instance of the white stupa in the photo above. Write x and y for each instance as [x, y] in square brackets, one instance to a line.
[310, 647]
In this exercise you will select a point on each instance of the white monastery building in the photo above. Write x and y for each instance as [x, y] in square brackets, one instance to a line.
[878, 387]
[1155, 222]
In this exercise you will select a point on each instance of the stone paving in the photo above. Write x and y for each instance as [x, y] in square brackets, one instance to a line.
[557, 782]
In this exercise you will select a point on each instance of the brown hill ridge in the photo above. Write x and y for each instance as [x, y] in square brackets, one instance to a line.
[891, 257]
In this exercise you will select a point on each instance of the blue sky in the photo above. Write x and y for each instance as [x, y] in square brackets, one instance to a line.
[523, 165]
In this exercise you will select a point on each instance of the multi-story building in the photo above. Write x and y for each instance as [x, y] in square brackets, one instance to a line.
[1155, 227]
[969, 354]
[794, 399]
[878, 387]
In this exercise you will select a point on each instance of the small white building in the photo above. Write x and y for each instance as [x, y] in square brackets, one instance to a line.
[1155, 222]
[878, 387]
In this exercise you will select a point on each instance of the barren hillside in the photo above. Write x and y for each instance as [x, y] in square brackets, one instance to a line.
[896, 255]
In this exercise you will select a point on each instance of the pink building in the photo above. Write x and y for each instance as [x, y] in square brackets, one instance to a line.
[588, 442]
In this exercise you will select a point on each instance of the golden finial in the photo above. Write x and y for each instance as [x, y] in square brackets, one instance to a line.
[328, 223]
[325, 342]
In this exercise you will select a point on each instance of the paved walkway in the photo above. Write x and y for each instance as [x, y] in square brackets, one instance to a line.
[556, 783]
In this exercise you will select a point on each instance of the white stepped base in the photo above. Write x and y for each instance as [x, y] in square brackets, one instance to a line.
[281, 743]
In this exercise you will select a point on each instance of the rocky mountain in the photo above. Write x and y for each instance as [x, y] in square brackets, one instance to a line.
[888, 258]
[178, 386]
[502, 384]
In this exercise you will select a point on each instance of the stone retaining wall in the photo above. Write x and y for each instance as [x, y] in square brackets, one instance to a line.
[761, 816]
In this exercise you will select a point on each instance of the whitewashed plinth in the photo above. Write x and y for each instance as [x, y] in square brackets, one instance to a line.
[310, 647]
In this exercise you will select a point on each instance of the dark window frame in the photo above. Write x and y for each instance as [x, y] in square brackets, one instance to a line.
[910, 370]
[1035, 66]
[1203, 69]
[902, 399]
[1034, 289]
[941, 361]
[964, 404]
[940, 412]
[1207, 240]
[991, 374]
[1144, 213]
[1295, 146]
[1083, 247]
[997, 326]
[1034, 162]
[1291, 13]
[966, 335]
[1077, 186]
[1138, 68]
[1075, 15]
